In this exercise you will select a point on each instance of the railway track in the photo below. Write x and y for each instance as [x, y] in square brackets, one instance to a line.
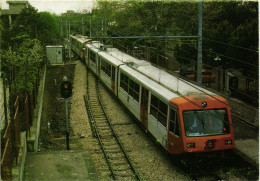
[119, 164]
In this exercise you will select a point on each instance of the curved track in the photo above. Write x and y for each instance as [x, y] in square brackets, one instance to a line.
[118, 162]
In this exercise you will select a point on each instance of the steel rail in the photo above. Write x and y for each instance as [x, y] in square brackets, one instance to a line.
[117, 138]
[91, 117]
[94, 127]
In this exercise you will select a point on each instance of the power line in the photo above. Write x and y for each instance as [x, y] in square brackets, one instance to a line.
[255, 51]
[138, 37]
[202, 92]
[230, 58]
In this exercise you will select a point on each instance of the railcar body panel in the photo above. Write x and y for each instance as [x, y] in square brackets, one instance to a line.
[165, 104]
[109, 70]
[144, 106]
[154, 126]
[92, 54]
[78, 45]
[210, 126]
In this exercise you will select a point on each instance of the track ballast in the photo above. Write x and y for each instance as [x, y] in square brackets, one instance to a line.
[115, 155]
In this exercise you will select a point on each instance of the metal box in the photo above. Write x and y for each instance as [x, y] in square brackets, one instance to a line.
[55, 54]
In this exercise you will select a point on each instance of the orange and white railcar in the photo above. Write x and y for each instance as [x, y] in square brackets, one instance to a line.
[180, 115]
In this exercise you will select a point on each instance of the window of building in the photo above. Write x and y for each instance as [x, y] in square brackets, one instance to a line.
[158, 110]
[106, 67]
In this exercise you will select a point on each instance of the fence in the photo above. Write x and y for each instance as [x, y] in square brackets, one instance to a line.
[21, 121]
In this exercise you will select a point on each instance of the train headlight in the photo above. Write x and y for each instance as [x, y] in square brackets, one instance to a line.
[228, 142]
[204, 104]
[190, 145]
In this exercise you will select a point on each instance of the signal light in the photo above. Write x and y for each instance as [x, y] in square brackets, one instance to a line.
[66, 89]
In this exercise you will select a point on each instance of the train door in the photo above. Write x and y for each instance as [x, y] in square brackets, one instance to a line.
[98, 66]
[144, 106]
[174, 141]
[88, 57]
[113, 79]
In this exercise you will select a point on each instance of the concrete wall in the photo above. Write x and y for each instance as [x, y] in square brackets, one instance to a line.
[12, 7]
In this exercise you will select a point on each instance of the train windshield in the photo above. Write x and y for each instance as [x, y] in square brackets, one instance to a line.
[206, 122]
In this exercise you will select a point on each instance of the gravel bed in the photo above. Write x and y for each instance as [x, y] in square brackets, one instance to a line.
[149, 159]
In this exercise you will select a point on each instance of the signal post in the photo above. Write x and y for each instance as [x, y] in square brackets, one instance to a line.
[66, 93]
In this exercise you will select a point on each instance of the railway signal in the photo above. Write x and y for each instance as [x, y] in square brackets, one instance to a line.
[66, 89]
[66, 93]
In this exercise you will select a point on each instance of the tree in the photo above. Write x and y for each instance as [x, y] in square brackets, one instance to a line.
[48, 28]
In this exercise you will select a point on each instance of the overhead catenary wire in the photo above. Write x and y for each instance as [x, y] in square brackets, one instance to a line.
[205, 94]
[240, 47]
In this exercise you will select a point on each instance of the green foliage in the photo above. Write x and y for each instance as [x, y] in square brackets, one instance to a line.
[49, 32]
[30, 24]
[225, 23]
[21, 65]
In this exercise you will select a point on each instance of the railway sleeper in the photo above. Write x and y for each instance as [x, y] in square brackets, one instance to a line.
[110, 143]
[102, 127]
[107, 137]
[124, 174]
[122, 168]
[111, 146]
[113, 151]
[102, 123]
[116, 157]
[123, 162]
[105, 132]
[123, 123]
[98, 114]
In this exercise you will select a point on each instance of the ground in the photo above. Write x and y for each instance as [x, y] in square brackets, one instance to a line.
[52, 137]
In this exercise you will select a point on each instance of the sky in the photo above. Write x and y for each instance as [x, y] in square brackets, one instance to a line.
[61, 6]
[58, 6]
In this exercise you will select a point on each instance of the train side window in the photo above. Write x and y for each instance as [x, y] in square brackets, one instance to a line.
[106, 67]
[124, 82]
[92, 56]
[130, 86]
[134, 90]
[158, 110]
[174, 123]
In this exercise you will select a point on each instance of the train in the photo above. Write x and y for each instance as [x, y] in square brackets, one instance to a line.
[180, 115]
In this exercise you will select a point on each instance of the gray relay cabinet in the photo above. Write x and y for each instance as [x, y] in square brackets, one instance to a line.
[55, 54]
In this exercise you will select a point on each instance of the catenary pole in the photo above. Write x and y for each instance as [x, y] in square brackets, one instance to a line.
[199, 62]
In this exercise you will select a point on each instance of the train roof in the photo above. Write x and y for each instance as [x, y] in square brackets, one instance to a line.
[156, 78]
[94, 46]
[81, 39]
[157, 89]
[110, 58]
[169, 81]
[174, 83]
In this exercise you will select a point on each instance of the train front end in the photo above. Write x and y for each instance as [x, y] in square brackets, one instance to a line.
[205, 123]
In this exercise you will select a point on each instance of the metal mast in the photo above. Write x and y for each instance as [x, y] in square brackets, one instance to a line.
[199, 62]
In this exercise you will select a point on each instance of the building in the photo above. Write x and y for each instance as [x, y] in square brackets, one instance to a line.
[69, 13]
[12, 7]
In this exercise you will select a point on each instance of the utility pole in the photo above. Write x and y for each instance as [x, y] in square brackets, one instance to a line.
[199, 62]
[61, 35]
[90, 25]
[82, 26]
[69, 42]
